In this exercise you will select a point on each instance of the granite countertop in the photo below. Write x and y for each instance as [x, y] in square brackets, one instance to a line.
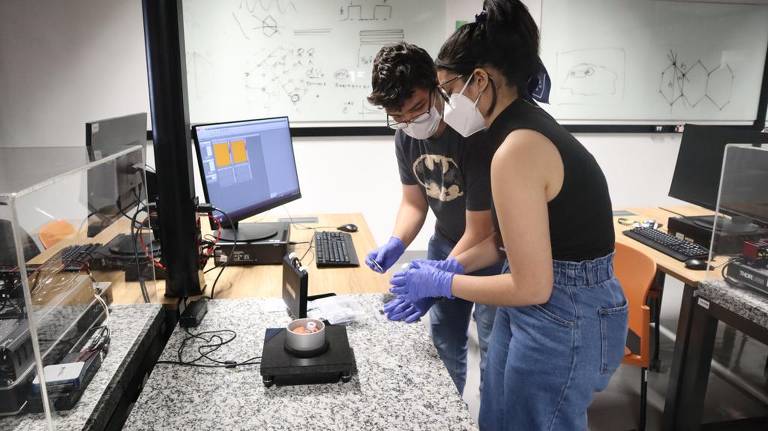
[750, 304]
[127, 326]
[401, 382]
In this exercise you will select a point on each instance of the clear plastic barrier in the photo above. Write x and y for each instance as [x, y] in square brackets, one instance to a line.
[739, 252]
[74, 237]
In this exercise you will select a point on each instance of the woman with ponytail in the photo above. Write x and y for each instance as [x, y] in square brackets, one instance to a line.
[561, 324]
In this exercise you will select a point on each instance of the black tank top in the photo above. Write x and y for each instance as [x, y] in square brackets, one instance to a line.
[580, 216]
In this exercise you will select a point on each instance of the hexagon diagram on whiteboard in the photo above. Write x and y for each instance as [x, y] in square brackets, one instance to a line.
[691, 85]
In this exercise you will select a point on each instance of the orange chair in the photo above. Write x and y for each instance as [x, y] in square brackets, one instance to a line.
[636, 272]
[54, 231]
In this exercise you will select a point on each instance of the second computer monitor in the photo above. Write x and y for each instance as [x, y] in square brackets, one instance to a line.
[700, 161]
[699, 165]
[247, 167]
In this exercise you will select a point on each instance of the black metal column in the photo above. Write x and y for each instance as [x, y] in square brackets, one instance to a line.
[164, 39]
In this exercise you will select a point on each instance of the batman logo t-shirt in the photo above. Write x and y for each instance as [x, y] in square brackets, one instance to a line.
[453, 173]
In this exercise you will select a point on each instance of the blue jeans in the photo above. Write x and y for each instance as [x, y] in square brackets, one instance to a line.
[450, 321]
[546, 361]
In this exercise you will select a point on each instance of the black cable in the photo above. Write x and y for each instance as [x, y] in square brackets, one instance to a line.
[311, 242]
[231, 253]
[210, 346]
[134, 240]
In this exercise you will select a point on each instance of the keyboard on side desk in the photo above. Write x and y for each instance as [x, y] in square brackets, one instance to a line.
[77, 257]
[335, 249]
[670, 245]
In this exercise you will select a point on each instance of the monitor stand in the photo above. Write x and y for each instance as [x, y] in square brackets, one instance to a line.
[251, 232]
[734, 225]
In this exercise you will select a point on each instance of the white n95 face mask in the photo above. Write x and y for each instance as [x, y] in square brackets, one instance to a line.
[423, 128]
[462, 114]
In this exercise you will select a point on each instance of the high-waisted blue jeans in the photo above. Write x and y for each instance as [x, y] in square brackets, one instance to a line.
[546, 361]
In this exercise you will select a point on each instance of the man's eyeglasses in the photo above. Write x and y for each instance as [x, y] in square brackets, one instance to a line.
[423, 117]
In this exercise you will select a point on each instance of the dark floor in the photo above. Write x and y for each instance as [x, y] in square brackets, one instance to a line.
[617, 408]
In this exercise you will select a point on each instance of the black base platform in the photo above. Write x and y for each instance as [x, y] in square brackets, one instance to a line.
[279, 367]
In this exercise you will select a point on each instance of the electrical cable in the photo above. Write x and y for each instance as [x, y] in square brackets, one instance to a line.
[311, 243]
[232, 251]
[211, 345]
[139, 275]
[106, 308]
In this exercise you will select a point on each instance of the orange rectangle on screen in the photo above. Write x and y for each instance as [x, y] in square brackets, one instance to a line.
[221, 154]
[239, 151]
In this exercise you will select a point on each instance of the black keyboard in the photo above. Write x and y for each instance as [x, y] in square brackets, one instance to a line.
[670, 245]
[76, 257]
[335, 249]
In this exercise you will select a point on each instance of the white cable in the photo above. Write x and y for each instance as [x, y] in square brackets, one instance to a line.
[106, 308]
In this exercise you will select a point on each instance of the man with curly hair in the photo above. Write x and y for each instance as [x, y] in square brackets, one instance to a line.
[437, 172]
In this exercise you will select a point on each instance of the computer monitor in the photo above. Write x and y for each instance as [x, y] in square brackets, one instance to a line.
[700, 162]
[114, 188]
[247, 167]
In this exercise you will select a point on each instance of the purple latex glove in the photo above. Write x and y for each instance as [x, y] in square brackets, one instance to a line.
[422, 281]
[381, 259]
[451, 264]
[402, 309]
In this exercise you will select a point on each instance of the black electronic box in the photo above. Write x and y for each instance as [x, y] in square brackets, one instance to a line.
[264, 252]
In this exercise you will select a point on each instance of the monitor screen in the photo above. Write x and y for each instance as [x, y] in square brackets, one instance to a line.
[744, 186]
[247, 167]
[700, 161]
[114, 188]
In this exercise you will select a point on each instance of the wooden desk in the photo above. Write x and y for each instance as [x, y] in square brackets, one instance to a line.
[252, 281]
[266, 280]
[666, 264]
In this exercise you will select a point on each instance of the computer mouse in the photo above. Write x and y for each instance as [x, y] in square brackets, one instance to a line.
[697, 264]
[348, 228]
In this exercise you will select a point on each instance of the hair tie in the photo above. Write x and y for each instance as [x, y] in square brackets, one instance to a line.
[482, 17]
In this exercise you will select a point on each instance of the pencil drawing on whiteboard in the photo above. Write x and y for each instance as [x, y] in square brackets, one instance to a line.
[355, 11]
[284, 75]
[310, 59]
[371, 42]
[586, 79]
[684, 85]
[282, 6]
[253, 24]
[363, 109]
[590, 76]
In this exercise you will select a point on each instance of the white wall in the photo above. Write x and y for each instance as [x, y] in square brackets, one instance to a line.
[67, 62]
[63, 63]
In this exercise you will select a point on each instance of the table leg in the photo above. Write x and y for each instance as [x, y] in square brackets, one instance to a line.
[688, 379]
[658, 288]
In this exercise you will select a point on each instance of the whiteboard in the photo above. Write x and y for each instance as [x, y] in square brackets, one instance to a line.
[308, 59]
[662, 62]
